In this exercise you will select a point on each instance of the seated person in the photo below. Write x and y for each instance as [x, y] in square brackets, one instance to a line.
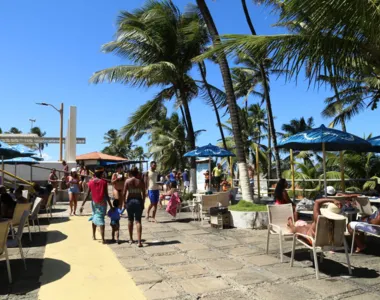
[18, 195]
[7, 205]
[225, 185]
[364, 225]
[330, 191]
[281, 195]
[334, 207]
[168, 194]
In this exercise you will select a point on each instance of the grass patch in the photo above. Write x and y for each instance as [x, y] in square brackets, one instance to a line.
[247, 206]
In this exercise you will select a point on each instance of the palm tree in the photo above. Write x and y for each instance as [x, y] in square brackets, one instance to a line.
[231, 100]
[14, 130]
[38, 131]
[263, 69]
[117, 145]
[161, 42]
[297, 125]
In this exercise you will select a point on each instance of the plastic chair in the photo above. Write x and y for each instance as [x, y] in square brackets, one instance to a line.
[17, 215]
[207, 202]
[323, 241]
[48, 206]
[278, 216]
[34, 214]
[367, 233]
[17, 242]
[25, 194]
[364, 207]
[4, 229]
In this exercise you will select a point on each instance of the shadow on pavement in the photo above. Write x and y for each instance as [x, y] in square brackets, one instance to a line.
[26, 281]
[55, 220]
[43, 238]
[161, 243]
[334, 268]
[184, 220]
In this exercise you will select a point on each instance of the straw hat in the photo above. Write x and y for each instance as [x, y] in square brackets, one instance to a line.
[332, 212]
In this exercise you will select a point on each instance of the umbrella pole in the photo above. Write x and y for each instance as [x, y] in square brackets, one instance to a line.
[258, 173]
[31, 173]
[292, 169]
[324, 168]
[209, 176]
[15, 175]
[342, 171]
[2, 168]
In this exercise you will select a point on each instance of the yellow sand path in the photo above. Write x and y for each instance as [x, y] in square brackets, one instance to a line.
[95, 272]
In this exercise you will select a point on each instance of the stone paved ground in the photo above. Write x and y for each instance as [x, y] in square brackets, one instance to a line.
[184, 260]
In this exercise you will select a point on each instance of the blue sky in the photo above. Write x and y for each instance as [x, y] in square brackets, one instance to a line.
[51, 48]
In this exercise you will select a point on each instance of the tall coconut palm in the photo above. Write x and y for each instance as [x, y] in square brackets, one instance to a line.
[262, 64]
[297, 125]
[116, 144]
[161, 42]
[231, 100]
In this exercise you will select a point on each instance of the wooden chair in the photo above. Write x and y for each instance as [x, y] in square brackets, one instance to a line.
[34, 214]
[326, 238]
[17, 215]
[278, 216]
[4, 229]
[17, 241]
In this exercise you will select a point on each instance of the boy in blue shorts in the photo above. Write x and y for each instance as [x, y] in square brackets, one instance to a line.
[114, 214]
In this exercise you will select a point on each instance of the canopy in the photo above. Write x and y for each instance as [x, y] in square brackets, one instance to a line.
[325, 139]
[7, 151]
[25, 151]
[21, 161]
[209, 151]
[334, 140]
[100, 156]
[375, 143]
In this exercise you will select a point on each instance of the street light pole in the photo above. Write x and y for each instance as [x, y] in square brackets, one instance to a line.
[32, 121]
[60, 111]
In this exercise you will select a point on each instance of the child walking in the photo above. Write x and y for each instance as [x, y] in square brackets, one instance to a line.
[114, 214]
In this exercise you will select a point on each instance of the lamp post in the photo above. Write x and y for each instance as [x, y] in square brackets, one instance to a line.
[60, 111]
[32, 121]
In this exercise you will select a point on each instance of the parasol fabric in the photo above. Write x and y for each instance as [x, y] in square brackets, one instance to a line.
[209, 151]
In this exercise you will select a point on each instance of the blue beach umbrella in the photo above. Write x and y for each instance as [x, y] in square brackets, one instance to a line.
[325, 139]
[375, 143]
[7, 151]
[25, 151]
[209, 151]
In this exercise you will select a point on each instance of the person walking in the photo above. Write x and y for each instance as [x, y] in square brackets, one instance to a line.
[186, 180]
[217, 176]
[134, 191]
[98, 188]
[84, 178]
[66, 173]
[153, 190]
[118, 180]
[74, 190]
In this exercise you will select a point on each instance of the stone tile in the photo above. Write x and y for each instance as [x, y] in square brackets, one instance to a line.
[327, 287]
[249, 276]
[222, 243]
[241, 251]
[367, 281]
[160, 229]
[287, 292]
[145, 276]
[159, 249]
[134, 262]
[185, 270]
[228, 295]
[191, 246]
[365, 296]
[205, 285]
[161, 290]
[168, 234]
[261, 260]
[250, 240]
[125, 252]
[204, 254]
[222, 265]
[285, 271]
[169, 259]
[196, 232]
[182, 226]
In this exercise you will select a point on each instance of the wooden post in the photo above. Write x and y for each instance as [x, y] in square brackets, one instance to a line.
[293, 179]
[258, 172]
[343, 185]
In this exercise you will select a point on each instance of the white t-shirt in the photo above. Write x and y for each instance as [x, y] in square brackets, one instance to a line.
[152, 180]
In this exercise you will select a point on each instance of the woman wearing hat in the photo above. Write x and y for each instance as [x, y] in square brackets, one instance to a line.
[98, 188]
[74, 190]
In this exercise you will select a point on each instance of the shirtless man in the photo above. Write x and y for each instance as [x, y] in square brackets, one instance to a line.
[153, 190]
[117, 181]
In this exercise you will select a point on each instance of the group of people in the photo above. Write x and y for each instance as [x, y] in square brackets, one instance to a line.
[333, 210]
[216, 179]
[176, 178]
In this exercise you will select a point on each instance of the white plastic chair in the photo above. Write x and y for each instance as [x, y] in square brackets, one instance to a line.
[363, 206]
[17, 242]
[4, 229]
[208, 201]
[366, 233]
[17, 215]
[323, 241]
[25, 194]
[278, 216]
[48, 206]
[34, 214]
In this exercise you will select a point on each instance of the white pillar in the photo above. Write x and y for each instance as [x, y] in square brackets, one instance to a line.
[73, 134]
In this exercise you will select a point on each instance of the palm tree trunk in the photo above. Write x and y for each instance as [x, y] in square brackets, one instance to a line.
[231, 100]
[183, 117]
[191, 140]
[202, 68]
[267, 95]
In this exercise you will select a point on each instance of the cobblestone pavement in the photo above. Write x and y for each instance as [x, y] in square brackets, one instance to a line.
[184, 260]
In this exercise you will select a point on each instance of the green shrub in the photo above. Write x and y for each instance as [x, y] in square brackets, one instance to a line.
[247, 206]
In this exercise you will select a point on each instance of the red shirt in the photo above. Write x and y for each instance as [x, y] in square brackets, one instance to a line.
[97, 187]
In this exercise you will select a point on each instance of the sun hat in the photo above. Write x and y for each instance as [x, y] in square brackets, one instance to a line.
[186, 170]
[330, 190]
[332, 212]
[74, 170]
